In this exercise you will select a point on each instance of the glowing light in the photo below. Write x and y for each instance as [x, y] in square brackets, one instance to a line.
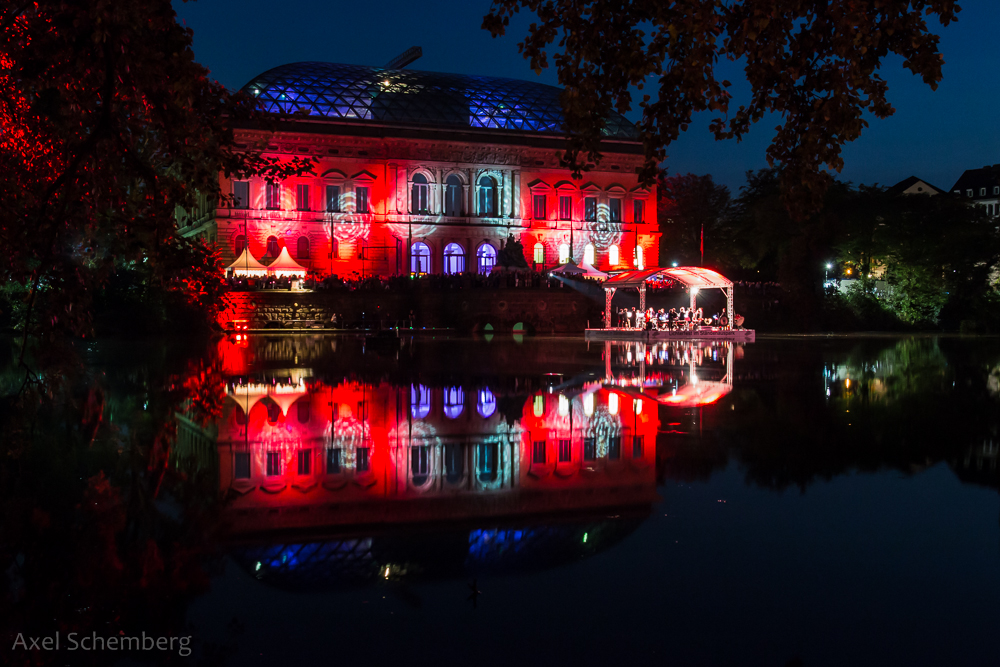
[613, 403]
[257, 569]
[585, 538]
[539, 406]
[847, 383]
[588, 405]
[588, 253]
[613, 255]
[563, 253]
[694, 290]
[637, 406]
[563, 406]
[638, 257]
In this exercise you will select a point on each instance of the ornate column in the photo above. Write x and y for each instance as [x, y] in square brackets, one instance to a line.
[515, 210]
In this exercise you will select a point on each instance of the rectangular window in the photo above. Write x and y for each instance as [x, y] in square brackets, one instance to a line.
[241, 194]
[540, 212]
[302, 197]
[638, 210]
[637, 447]
[333, 461]
[565, 208]
[538, 452]
[982, 192]
[272, 196]
[420, 458]
[565, 451]
[590, 209]
[420, 198]
[615, 447]
[589, 449]
[273, 464]
[362, 459]
[333, 198]
[996, 189]
[363, 199]
[242, 461]
[305, 461]
[615, 210]
[968, 193]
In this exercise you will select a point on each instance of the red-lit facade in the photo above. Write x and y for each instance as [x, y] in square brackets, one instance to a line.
[394, 197]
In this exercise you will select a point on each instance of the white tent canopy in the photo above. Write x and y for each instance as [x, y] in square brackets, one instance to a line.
[246, 265]
[284, 265]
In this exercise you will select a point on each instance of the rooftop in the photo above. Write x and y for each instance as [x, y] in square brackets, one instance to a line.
[411, 97]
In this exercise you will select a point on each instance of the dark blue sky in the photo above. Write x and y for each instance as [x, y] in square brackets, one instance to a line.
[934, 134]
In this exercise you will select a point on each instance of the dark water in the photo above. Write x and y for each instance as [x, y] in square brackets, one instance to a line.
[796, 501]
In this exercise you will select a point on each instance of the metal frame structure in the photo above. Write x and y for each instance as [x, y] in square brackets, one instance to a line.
[695, 278]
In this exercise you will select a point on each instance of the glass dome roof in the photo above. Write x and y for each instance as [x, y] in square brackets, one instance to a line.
[357, 92]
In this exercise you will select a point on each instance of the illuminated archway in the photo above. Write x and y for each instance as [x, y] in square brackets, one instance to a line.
[539, 253]
[420, 259]
[638, 257]
[486, 257]
[454, 402]
[588, 253]
[486, 403]
[613, 258]
[420, 401]
[563, 253]
[454, 258]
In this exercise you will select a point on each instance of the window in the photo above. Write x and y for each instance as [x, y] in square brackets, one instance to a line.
[613, 255]
[638, 211]
[615, 209]
[454, 402]
[588, 254]
[637, 447]
[420, 259]
[539, 253]
[565, 208]
[565, 451]
[638, 257]
[613, 404]
[363, 195]
[486, 258]
[486, 403]
[454, 463]
[453, 196]
[615, 447]
[239, 245]
[302, 248]
[334, 249]
[272, 196]
[996, 189]
[362, 462]
[333, 198]
[487, 197]
[273, 464]
[454, 259]
[419, 195]
[589, 449]
[302, 197]
[486, 465]
[968, 193]
[242, 465]
[563, 253]
[272, 247]
[305, 461]
[539, 406]
[241, 194]
[590, 209]
[538, 452]
[420, 464]
[982, 192]
[333, 461]
[302, 410]
[420, 401]
[539, 207]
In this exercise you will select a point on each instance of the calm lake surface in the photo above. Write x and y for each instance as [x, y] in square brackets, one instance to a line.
[795, 501]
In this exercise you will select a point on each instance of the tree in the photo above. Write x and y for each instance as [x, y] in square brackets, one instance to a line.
[107, 126]
[511, 254]
[690, 209]
[813, 63]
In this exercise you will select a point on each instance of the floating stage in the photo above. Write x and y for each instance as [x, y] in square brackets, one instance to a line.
[623, 334]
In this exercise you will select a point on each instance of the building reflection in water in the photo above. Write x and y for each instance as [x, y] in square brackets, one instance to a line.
[367, 481]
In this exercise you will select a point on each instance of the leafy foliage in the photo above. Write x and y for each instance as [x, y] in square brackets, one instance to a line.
[813, 63]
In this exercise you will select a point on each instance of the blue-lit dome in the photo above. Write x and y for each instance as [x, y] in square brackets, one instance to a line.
[356, 92]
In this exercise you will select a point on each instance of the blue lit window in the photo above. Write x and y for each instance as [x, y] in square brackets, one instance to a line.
[486, 463]
[454, 259]
[454, 402]
[420, 259]
[420, 401]
[486, 258]
[486, 404]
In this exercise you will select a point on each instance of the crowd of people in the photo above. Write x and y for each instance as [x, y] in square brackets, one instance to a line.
[437, 282]
[683, 319]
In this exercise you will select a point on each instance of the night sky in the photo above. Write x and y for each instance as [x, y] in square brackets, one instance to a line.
[934, 134]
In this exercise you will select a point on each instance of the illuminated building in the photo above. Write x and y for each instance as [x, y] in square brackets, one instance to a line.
[421, 172]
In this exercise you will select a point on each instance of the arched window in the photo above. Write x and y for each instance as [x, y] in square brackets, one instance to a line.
[240, 245]
[272, 247]
[302, 248]
[454, 463]
[486, 257]
[539, 253]
[588, 405]
[588, 254]
[613, 404]
[454, 402]
[538, 406]
[420, 259]
[487, 197]
[486, 404]
[613, 255]
[638, 257]
[563, 406]
[420, 464]
[453, 196]
[486, 461]
[454, 258]
[419, 197]
[563, 253]
[302, 410]
[420, 401]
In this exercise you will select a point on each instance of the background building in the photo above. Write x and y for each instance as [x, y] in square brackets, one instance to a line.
[422, 172]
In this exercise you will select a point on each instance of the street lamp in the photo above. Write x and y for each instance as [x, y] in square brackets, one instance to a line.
[826, 277]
